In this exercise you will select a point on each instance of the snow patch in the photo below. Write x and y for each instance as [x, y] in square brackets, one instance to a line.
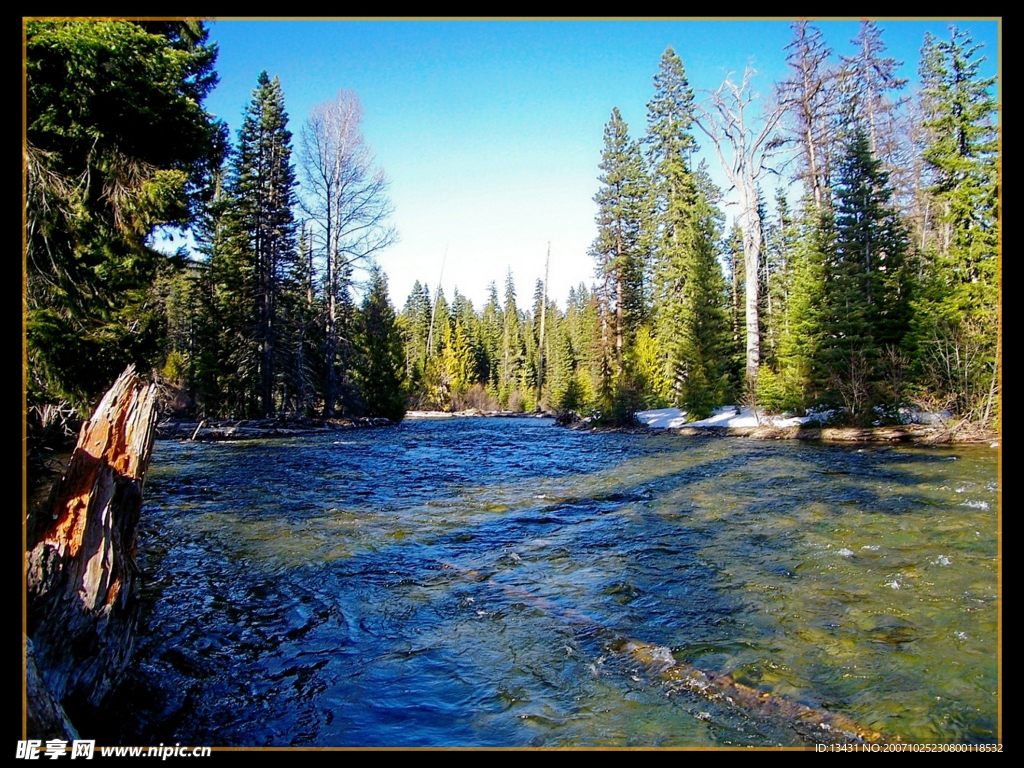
[735, 416]
[727, 416]
[413, 415]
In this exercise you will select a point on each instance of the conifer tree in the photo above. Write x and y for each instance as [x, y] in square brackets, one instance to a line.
[957, 318]
[117, 143]
[491, 331]
[303, 311]
[703, 327]
[262, 188]
[622, 244]
[799, 356]
[866, 299]
[512, 346]
[237, 357]
[463, 312]
[779, 234]
[415, 330]
[379, 364]
[440, 317]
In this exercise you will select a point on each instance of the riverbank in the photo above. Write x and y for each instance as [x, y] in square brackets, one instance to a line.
[255, 429]
[733, 421]
[729, 421]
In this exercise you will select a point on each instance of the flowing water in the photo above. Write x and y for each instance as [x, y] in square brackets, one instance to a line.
[470, 582]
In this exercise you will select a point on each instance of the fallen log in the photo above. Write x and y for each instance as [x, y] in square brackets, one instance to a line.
[815, 725]
[82, 606]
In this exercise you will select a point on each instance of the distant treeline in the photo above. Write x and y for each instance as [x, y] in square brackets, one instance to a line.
[878, 290]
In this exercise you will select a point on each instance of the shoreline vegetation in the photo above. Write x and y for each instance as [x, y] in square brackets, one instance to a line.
[870, 281]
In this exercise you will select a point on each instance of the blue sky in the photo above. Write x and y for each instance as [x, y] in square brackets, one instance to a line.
[491, 131]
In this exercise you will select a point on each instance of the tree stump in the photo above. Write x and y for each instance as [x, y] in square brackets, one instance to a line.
[80, 569]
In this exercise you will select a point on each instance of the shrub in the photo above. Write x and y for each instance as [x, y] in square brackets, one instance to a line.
[776, 392]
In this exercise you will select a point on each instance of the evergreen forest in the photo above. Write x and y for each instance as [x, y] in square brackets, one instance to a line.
[868, 283]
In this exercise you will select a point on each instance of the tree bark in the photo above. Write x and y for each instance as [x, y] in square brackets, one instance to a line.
[81, 576]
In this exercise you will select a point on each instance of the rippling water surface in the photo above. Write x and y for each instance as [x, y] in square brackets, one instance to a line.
[467, 582]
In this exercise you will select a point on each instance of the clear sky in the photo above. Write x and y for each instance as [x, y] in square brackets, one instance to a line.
[491, 131]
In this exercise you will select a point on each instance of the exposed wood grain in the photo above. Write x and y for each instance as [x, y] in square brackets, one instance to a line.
[80, 571]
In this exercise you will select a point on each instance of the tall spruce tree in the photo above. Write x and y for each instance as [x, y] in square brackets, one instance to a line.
[491, 331]
[867, 297]
[957, 318]
[262, 188]
[622, 244]
[669, 143]
[416, 329]
[703, 325]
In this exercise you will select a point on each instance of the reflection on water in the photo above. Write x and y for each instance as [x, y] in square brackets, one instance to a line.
[463, 582]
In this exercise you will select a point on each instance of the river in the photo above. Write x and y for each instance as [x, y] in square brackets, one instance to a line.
[467, 582]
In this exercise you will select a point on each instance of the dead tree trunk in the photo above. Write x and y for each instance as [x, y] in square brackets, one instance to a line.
[724, 122]
[80, 565]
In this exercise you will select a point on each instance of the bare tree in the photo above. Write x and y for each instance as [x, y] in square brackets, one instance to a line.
[346, 199]
[868, 77]
[807, 96]
[723, 118]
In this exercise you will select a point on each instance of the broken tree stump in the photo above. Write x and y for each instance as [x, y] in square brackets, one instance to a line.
[82, 606]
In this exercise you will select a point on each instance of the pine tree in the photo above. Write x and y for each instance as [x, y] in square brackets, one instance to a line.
[799, 356]
[957, 318]
[735, 274]
[492, 325]
[117, 143]
[262, 187]
[963, 154]
[379, 364]
[622, 244]
[867, 294]
[669, 144]
[303, 311]
[463, 312]
[779, 235]
[440, 318]
[703, 327]
[512, 346]
[233, 299]
[415, 330]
